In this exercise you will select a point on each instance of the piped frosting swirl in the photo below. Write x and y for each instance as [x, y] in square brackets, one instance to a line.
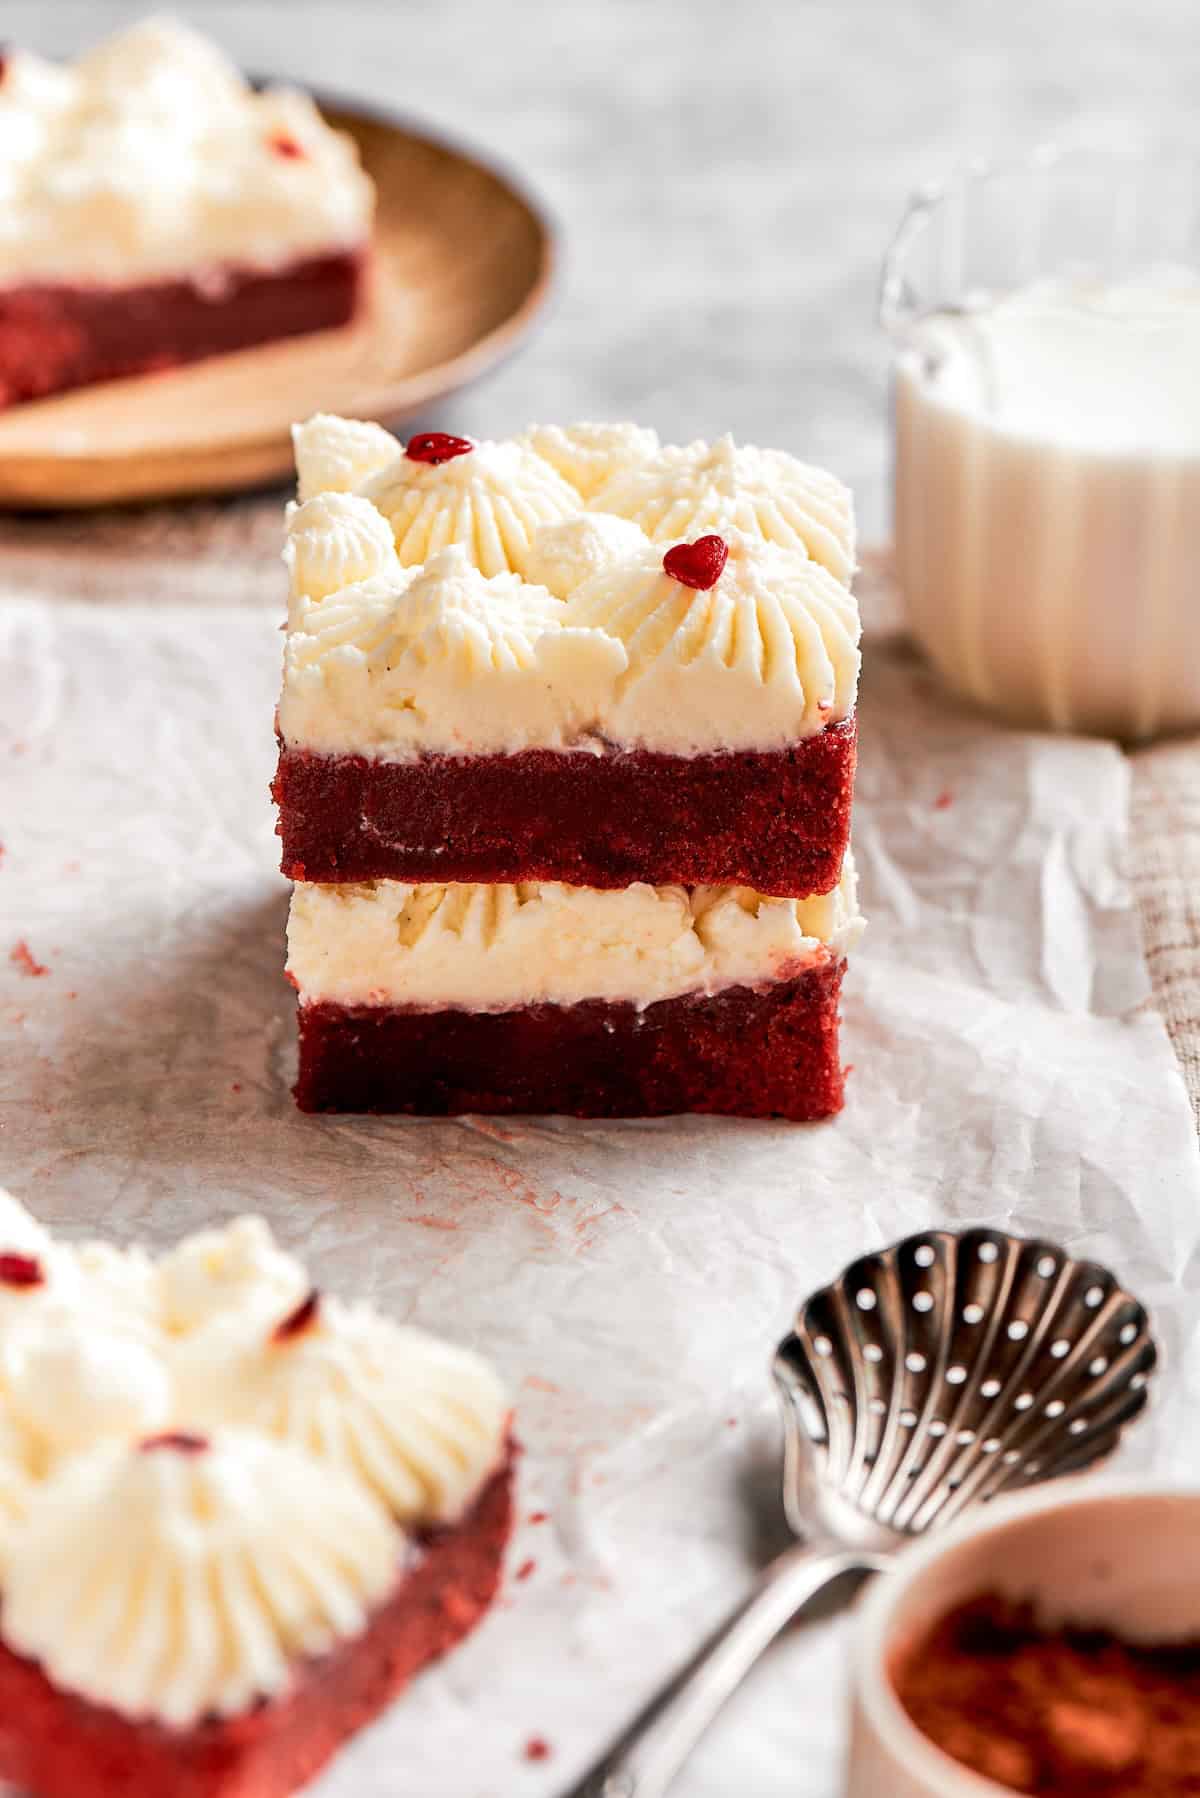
[181, 1582]
[491, 502]
[720, 487]
[192, 1499]
[414, 1419]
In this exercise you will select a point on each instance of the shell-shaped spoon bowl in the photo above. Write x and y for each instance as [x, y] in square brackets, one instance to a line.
[950, 1367]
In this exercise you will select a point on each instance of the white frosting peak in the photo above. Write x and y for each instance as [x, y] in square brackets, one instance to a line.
[20, 1232]
[73, 1381]
[494, 947]
[565, 555]
[587, 455]
[685, 493]
[442, 658]
[414, 1419]
[334, 541]
[151, 158]
[776, 638]
[235, 1270]
[492, 501]
[336, 455]
[180, 1583]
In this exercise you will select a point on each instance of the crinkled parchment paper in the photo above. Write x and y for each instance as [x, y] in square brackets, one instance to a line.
[629, 1279]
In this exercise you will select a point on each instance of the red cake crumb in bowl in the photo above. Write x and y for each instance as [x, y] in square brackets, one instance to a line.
[1062, 1712]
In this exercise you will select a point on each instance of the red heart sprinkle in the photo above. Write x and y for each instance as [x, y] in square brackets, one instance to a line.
[697, 564]
[437, 447]
[21, 1270]
[284, 144]
[298, 1321]
[182, 1441]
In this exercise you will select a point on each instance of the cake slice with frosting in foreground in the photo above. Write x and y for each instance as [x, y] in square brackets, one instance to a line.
[236, 1515]
[158, 208]
[590, 1002]
[575, 656]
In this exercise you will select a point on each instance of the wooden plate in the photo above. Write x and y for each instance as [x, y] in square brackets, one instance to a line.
[464, 261]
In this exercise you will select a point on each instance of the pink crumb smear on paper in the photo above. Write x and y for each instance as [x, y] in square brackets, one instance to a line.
[22, 957]
[945, 798]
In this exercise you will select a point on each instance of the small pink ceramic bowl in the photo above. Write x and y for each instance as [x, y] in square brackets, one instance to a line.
[1122, 1555]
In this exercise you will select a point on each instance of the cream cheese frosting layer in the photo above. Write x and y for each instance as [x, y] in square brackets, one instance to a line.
[152, 158]
[180, 1581]
[495, 948]
[443, 660]
[206, 1471]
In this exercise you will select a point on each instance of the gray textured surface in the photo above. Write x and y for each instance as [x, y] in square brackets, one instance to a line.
[728, 171]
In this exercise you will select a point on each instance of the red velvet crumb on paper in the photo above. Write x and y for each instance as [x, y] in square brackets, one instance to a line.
[286, 146]
[22, 957]
[538, 1516]
[944, 799]
[537, 1748]
[298, 1321]
[525, 1569]
[697, 564]
[437, 447]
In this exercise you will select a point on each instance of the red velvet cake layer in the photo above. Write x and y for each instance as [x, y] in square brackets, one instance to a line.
[54, 1745]
[769, 1051]
[54, 336]
[776, 820]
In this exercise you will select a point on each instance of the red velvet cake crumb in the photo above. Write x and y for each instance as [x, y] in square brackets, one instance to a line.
[22, 957]
[525, 1570]
[776, 820]
[55, 1745]
[56, 336]
[769, 1051]
[537, 1748]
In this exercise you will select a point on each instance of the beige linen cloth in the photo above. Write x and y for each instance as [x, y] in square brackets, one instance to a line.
[228, 553]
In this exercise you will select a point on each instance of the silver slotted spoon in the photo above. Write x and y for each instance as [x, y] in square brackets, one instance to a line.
[929, 1377]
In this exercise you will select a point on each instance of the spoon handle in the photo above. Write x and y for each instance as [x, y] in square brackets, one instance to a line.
[646, 1759]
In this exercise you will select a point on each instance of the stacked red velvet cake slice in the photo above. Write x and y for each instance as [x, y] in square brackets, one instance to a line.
[158, 209]
[236, 1515]
[567, 749]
